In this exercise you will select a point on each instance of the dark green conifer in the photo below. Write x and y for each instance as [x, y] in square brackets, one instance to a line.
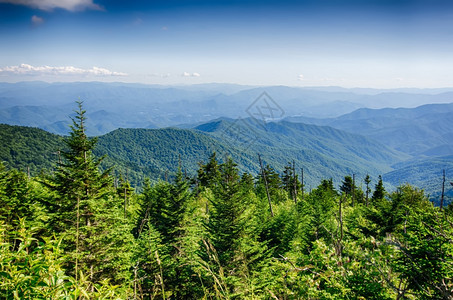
[379, 191]
[226, 223]
[86, 210]
[208, 173]
[347, 185]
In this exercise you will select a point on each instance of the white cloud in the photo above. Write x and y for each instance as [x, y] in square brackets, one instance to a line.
[48, 5]
[25, 69]
[300, 77]
[161, 75]
[36, 21]
[187, 74]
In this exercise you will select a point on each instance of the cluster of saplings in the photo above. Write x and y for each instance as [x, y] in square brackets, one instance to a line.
[73, 234]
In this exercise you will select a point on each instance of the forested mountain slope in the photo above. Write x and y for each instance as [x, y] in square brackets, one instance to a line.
[323, 152]
[80, 233]
[424, 173]
[422, 131]
[157, 153]
[30, 148]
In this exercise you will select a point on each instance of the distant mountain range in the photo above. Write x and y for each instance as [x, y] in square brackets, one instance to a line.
[329, 131]
[422, 131]
[323, 152]
[425, 133]
[121, 105]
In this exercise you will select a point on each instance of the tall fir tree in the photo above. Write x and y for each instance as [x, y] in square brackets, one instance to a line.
[15, 197]
[347, 185]
[87, 210]
[162, 215]
[379, 191]
[209, 172]
[290, 181]
[225, 223]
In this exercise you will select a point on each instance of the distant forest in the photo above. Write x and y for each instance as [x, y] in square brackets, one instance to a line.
[75, 231]
[405, 135]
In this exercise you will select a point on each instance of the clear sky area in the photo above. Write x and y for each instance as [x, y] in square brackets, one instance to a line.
[349, 43]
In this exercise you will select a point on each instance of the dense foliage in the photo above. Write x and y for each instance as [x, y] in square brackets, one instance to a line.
[74, 233]
[28, 149]
[154, 153]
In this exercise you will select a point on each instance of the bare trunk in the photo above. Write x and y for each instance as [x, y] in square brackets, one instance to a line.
[443, 191]
[265, 184]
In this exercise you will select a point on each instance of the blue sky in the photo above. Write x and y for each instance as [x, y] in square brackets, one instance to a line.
[350, 43]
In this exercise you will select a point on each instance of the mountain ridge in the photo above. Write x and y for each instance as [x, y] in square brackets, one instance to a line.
[158, 152]
[164, 106]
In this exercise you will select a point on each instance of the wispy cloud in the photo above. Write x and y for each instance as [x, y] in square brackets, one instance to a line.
[160, 75]
[49, 5]
[138, 21]
[187, 74]
[25, 69]
[300, 77]
[36, 21]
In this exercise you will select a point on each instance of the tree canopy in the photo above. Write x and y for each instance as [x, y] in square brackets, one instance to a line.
[77, 232]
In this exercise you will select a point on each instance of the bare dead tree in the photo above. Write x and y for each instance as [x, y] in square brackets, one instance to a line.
[443, 190]
[265, 184]
[302, 182]
[294, 183]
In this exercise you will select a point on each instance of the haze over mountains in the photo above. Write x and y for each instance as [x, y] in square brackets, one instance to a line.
[426, 130]
[323, 152]
[119, 105]
[406, 135]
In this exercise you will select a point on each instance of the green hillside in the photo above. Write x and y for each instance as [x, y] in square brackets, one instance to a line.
[156, 153]
[76, 234]
[424, 173]
[323, 152]
[28, 148]
[426, 130]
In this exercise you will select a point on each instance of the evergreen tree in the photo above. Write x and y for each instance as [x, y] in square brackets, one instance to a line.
[162, 216]
[323, 202]
[175, 209]
[232, 251]
[287, 178]
[349, 188]
[208, 173]
[326, 188]
[347, 185]
[424, 248]
[87, 211]
[274, 183]
[163, 206]
[225, 224]
[247, 181]
[379, 191]
[125, 192]
[154, 202]
[15, 197]
[290, 181]
[272, 177]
